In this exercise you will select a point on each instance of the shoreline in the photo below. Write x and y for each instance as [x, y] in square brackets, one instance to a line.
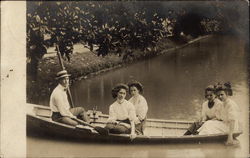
[93, 74]
[86, 65]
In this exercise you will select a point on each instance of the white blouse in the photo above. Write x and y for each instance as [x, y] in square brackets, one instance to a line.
[211, 113]
[141, 106]
[231, 111]
[122, 111]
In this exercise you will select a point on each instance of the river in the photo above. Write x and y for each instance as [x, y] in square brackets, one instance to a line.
[174, 88]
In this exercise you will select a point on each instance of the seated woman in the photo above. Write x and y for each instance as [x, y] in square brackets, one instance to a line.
[229, 114]
[140, 104]
[121, 113]
[210, 110]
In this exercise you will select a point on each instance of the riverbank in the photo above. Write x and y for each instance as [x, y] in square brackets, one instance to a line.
[85, 64]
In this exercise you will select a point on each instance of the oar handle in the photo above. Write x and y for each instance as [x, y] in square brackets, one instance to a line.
[70, 97]
[59, 57]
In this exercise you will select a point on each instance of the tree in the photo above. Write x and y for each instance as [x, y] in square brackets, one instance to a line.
[91, 23]
[114, 25]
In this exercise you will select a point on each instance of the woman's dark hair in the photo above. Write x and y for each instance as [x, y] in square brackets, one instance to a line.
[136, 84]
[209, 88]
[226, 87]
[117, 88]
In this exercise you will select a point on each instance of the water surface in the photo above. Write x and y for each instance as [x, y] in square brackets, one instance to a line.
[173, 83]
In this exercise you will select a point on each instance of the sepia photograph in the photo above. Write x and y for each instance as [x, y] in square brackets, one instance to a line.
[125, 79]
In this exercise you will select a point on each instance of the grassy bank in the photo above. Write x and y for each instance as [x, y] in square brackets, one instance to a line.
[87, 64]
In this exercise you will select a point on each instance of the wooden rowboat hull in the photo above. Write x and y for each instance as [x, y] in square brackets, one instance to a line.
[41, 125]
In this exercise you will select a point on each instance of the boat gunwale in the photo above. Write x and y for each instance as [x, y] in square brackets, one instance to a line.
[106, 116]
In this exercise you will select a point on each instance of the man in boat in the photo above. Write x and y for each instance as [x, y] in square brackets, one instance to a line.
[59, 103]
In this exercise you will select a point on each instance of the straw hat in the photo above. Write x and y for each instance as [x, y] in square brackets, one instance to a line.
[62, 74]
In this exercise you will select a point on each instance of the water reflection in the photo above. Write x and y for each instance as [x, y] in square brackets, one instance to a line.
[79, 149]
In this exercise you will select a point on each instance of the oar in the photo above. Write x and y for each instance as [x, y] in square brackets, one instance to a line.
[63, 67]
[100, 130]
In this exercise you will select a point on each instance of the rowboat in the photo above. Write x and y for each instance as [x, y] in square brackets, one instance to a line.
[157, 131]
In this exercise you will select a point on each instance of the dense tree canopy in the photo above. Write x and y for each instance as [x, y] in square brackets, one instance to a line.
[114, 25]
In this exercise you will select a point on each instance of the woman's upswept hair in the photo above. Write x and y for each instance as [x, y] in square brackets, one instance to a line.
[136, 84]
[224, 87]
[117, 88]
[209, 88]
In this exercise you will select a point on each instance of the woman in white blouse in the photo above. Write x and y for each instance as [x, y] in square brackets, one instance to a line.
[121, 113]
[229, 114]
[210, 110]
[140, 104]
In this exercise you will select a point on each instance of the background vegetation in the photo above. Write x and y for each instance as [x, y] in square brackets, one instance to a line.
[124, 27]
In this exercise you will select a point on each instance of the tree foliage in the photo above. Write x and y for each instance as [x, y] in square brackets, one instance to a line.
[114, 25]
[110, 26]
